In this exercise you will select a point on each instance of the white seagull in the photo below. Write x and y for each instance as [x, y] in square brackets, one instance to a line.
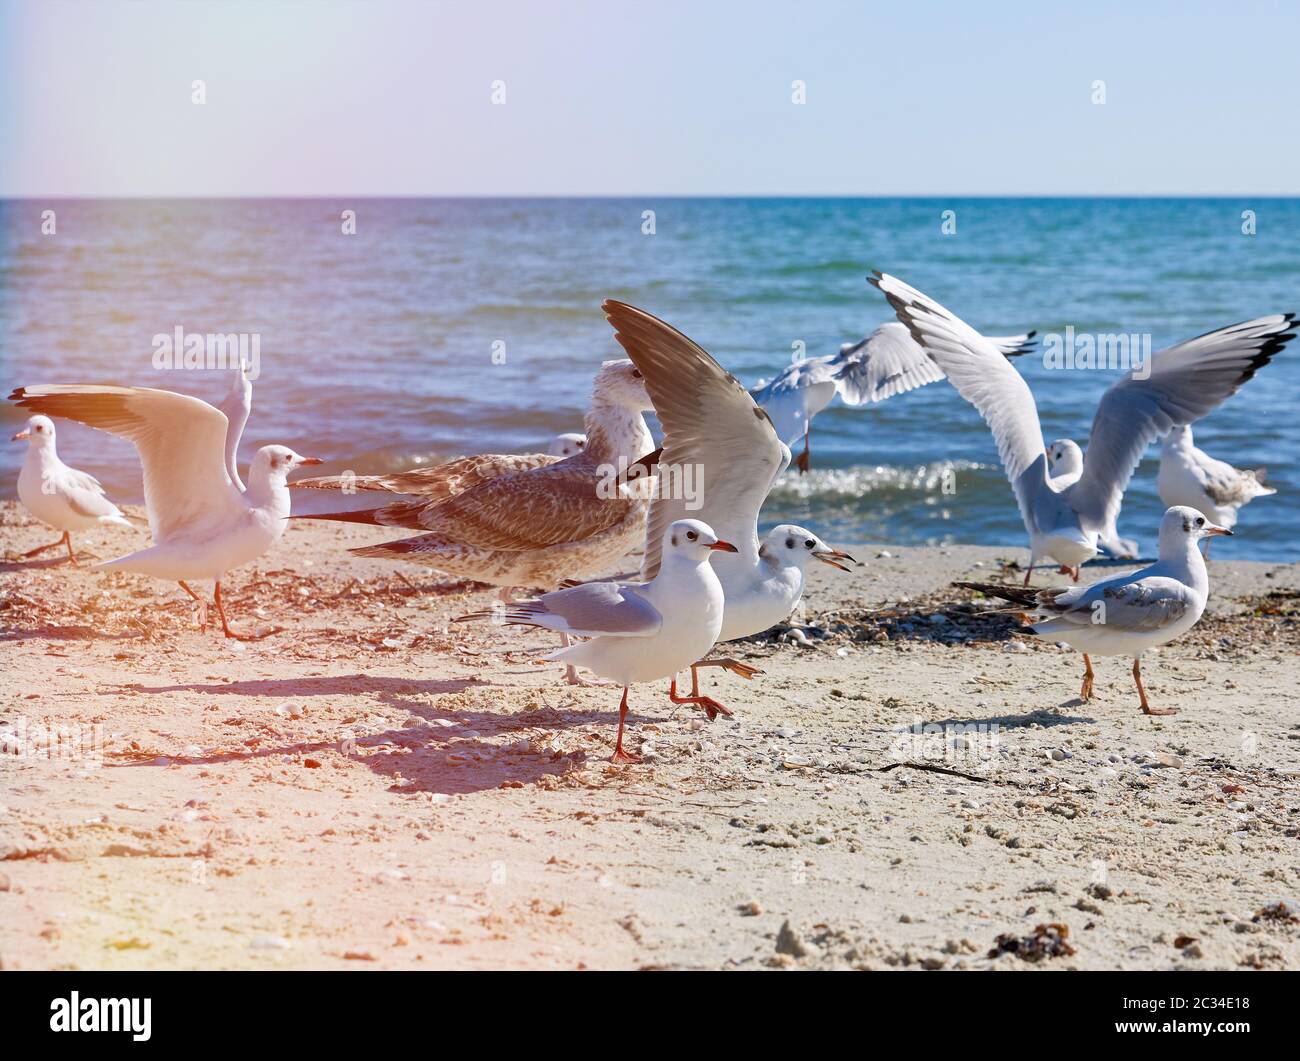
[203, 524]
[1126, 615]
[63, 497]
[716, 439]
[1190, 476]
[885, 363]
[638, 633]
[1068, 516]
[567, 445]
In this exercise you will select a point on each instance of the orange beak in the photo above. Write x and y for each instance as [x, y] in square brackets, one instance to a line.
[1211, 531]
[311, 460]
[724, 547]
[23, 434]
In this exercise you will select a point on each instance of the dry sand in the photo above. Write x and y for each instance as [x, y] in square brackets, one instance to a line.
[366, 789]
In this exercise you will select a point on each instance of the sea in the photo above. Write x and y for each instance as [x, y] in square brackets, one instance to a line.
[395, 332]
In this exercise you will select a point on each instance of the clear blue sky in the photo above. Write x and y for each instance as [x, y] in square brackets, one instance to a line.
[663, 97]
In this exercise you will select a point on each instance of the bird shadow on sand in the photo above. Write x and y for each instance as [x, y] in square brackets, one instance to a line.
[66, 633]
[323, 685]
[1043, 717]
[35, 565]
[449, 751]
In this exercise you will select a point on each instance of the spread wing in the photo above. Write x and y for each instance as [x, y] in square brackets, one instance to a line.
[984, 377]
[180, 439]
[887, 362]
[713, 431]
[1185, 382]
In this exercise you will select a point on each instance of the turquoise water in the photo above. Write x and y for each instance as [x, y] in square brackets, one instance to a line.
[377, 348]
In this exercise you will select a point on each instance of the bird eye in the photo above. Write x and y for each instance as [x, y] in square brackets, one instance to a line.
[1200, 521]
[691, 536]
[636, 373]
[809, 544]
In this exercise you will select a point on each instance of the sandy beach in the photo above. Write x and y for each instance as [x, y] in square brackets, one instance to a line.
[908, 782]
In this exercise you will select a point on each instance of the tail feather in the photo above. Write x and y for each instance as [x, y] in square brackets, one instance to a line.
[1022, 595]
[368, 516]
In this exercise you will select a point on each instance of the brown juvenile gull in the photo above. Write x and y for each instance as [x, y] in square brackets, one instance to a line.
[540, 521]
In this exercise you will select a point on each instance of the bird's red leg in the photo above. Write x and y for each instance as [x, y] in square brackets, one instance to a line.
[1076, 572]
[710, 706]
[203, 605]
[804, 460]
[67, 540]
[1147, 709]
[1086, 691]
[225, 626]
[620, 756]
[45, 548]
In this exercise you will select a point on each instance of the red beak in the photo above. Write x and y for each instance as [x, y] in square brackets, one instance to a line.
[312, 460]
[24, 433]
[724, 547]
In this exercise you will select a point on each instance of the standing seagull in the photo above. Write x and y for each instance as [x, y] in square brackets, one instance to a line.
[715, 434]
[63, 497]
[1186, 381]
[885, 363]
[203, 524]
[640, 633]
[1126, 615]
[1190, 476]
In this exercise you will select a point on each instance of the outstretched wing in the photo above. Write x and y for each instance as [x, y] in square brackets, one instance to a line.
[984, 377]
[180, 439]
[714, 433]
[1185, 382]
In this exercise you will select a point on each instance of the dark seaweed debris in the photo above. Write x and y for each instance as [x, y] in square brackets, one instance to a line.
[1046, 941]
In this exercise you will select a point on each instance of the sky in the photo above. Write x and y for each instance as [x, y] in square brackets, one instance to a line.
[634, 98]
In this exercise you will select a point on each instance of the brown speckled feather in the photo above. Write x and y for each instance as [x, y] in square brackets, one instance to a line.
[533, 509]
[432, 486]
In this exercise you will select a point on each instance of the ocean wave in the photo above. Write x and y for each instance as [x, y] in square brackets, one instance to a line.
[829, 484]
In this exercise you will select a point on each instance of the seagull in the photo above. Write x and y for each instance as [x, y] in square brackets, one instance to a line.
[1190, 476]
[567, 445]
[638, 633]
[203, 525]
[1186, 381]
[535, 520]
[63, 497]
[885, 363]
[1128, 614]
[715, 432]
[543, 521]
